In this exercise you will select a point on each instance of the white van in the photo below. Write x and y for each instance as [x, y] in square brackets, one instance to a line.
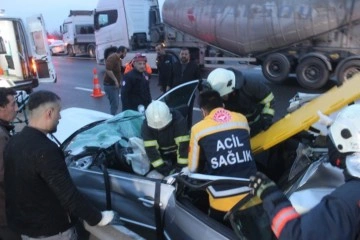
[25, 58]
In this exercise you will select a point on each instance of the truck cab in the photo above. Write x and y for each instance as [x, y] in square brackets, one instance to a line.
[122, 23]
[25, 58]
[78, 33]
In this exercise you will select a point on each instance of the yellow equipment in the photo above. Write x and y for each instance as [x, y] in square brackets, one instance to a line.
[301, 119]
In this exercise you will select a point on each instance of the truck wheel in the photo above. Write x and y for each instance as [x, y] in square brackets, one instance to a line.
[276, 67]
[91, 51]
[347, 70]
[70, 51]
[312, 73]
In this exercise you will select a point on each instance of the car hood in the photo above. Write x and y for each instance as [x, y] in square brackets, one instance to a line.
[72, 119]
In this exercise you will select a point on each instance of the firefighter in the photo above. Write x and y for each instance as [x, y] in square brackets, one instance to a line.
[337, 216]
[166, 138]
[251, 98]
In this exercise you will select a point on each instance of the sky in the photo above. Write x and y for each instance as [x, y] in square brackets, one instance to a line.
[54, 11]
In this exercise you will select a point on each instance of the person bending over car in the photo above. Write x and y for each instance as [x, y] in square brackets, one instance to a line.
[41, 198]
[337, 216]
[250, 97]
[166, 138]
[220, 145]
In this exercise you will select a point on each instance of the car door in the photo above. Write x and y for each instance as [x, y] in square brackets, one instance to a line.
[182, 99]
[40, 49]
[132, 196]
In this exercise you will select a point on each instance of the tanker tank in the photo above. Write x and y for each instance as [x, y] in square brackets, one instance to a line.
[252, 27]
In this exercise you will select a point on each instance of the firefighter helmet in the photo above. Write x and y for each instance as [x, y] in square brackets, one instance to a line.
[222, 80]
[345, 131]
[158, 115]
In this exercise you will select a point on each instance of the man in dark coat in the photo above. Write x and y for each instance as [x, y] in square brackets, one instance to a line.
[164, 64]
[135, 91]
[8, 110]
[41, 198]
[185, 70]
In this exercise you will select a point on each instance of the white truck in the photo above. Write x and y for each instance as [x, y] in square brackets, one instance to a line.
[25, 58]
[78, 33]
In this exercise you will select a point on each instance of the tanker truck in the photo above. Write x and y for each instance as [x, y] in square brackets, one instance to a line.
[316, 40]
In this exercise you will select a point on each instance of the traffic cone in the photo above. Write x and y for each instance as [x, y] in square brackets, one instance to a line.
[97, 89]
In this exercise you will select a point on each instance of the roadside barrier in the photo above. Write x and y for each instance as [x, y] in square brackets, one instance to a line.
[97, 89]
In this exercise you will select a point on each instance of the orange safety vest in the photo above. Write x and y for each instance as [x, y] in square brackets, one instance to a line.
[129, 66]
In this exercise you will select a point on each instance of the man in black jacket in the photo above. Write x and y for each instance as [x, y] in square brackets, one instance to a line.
[166, 138]
[164, 64]
[185, 70]
[41, 198]
[8, 111]
[135, 89]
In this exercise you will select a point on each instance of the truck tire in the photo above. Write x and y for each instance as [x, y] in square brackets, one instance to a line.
[276, 67]
[312, 73]
[91, 51]
[70, 50]
[347, 70]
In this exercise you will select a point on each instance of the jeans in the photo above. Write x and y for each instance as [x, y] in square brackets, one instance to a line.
[112, 92]
[69, 234]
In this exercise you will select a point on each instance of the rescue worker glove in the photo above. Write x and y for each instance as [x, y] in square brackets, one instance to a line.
[261, 185]
[266, 121]
[107, 217]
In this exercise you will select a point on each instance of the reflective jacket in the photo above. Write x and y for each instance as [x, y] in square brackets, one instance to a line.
[253, 99]
[220, 145]
[337, 216]
[170, 144]
[135, 90]
[129, 66]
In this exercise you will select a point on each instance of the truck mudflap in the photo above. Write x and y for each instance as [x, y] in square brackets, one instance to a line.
[111, 232]
[301, 119]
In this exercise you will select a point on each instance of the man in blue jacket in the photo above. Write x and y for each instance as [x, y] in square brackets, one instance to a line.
[337, 216]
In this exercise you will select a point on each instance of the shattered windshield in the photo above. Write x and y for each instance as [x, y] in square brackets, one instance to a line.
[124, 125]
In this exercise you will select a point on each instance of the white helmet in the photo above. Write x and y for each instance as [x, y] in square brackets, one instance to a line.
[345, 131]
[158, 115]
[222, 81]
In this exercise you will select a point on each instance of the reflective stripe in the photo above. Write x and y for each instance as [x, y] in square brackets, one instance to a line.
[184, 138]
[151, 143]
[157, 163]
[167, 148]
[207, 131]
[269, 111]
[282, 218]
[268, 98]
[228, 192]
[182, 161]
[255, 120]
